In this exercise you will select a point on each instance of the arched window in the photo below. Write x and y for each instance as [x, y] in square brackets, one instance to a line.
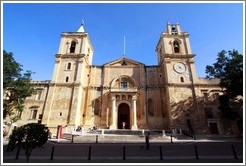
[69, 66]
[176, 47]
[150, 107]
[73, 46]
[181, 79]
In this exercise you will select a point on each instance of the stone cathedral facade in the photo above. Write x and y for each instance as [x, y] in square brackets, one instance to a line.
[167, 95]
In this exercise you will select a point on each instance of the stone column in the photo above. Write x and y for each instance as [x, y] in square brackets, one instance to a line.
[134, 109]
[113, 125]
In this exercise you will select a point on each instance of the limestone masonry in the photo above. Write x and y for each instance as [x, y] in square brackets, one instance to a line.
[125, 93]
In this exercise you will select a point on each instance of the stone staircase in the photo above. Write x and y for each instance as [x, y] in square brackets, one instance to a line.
[119, 132]
[122, 132]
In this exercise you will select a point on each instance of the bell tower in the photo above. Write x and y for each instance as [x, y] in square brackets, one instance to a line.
[176, 64]
[75, 52]
[64, 101]
[175, 56]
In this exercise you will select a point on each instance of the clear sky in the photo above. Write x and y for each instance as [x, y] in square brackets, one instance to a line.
[32, 31]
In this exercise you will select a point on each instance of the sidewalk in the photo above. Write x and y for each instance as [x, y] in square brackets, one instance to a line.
[110, 138]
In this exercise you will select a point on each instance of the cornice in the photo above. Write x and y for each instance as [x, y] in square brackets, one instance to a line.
[70, 55]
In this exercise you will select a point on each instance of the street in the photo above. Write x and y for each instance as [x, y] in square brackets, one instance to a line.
[128, 152]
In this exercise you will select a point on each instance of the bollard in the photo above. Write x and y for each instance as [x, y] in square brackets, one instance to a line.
[171, 138]
[96, 139]
[89, 155]
[197, 157]
[234, 151]
[72, 138]
[52, 152]
[124, 152]
[147, 141]
[161, 157]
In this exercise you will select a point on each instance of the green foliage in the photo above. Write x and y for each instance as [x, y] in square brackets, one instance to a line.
[29, 136]
[16, 85]
[227, 111]
[229, 69]
[11, 69]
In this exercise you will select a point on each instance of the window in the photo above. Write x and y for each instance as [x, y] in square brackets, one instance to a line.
[67, 78]
[181, 79]
[33, 114]
[72, 47]
[123, 85]
[38, 95]
[69, 66]
[176, 46]
[18, 114]
[97, 107]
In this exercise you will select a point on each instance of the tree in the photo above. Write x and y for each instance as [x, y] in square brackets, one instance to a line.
[229, 69]
[17, 87]
[28, 137]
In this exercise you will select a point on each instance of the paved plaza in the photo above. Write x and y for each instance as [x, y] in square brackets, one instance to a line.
[96, 148]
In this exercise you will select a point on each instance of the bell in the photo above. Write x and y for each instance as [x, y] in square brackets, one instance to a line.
[173, 28]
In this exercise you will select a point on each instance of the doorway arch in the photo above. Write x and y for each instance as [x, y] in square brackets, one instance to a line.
[123, 116]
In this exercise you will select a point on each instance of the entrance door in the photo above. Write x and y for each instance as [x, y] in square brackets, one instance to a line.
[213, 128]
[123, 116]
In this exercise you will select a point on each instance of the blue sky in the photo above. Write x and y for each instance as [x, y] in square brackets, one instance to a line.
[32, 31]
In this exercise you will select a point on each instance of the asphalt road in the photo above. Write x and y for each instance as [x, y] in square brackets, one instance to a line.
[158, 152]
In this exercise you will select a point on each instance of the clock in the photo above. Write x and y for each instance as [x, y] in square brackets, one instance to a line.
[179, 67]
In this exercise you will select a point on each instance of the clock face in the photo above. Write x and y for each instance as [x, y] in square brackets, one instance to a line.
[179, 67]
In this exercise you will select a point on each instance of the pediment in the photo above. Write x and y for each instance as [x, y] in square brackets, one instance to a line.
[124, 62]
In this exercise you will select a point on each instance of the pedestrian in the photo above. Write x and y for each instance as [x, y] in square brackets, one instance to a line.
[123, 125]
